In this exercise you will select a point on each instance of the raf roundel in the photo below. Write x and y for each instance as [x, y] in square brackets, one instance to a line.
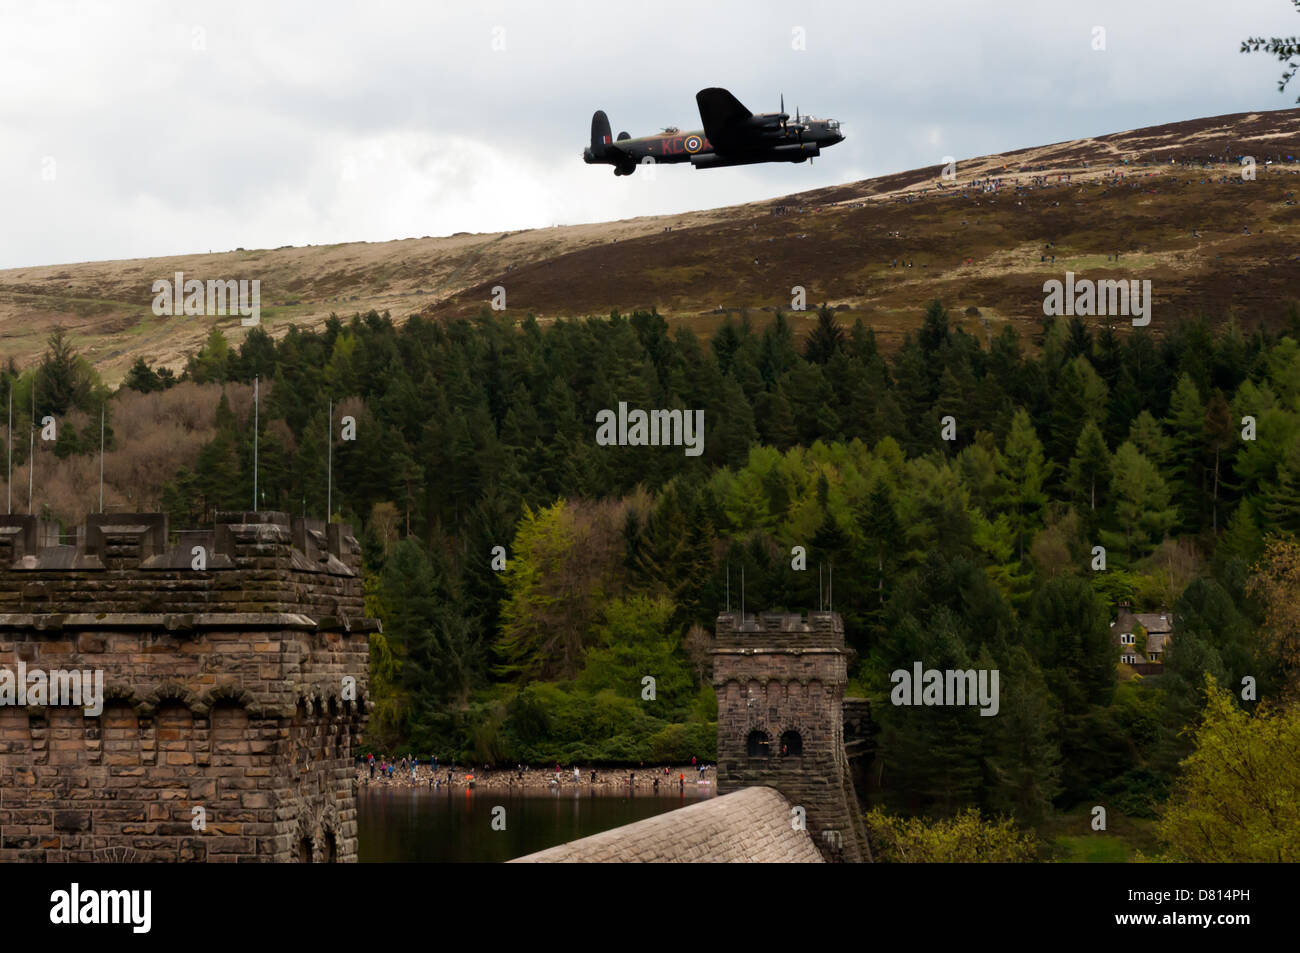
[693, 143]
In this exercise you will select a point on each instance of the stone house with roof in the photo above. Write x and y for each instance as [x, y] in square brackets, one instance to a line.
[1142, 637]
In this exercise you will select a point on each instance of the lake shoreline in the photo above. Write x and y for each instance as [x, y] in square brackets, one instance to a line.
[538, 780]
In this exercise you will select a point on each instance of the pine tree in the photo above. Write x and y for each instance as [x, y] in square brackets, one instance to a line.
[1025, 472]
[732, 424]
[1220, 438]
[775, 419]
[1024, 759]
[725, 342]
[1068, 630]
[210, 363]
[1143, 507]
[934, 334]
[777, 352]
[914, 393]
[829, 540]
[1186, 474]
[826, 338]
[1242, 538]
[1125, 405]
[1090, 468]
[66, 442]
[66, 380]
[1078, 400]
[932, 757]
[1148, 437]
[142, 378]
[1279, 501]
[878, 522]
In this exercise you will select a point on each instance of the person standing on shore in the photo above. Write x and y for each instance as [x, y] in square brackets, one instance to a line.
[577, 775]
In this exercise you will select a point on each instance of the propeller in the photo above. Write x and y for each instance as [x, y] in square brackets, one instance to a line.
[783, 115]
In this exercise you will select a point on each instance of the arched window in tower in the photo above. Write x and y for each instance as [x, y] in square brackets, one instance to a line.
[757, 745]
[792, 745]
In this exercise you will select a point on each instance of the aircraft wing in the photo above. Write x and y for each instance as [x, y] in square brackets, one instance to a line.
[725, 118]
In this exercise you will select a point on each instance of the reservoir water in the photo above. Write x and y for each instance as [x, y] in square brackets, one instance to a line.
[399, 824]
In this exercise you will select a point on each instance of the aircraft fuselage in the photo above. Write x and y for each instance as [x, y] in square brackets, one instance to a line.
[743, 138]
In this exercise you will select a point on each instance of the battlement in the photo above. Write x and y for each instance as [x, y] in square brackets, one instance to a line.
[237, 540]
[234, 670]
[129, 563]
[780, 630]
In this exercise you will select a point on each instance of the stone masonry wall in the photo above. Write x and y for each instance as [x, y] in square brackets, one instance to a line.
[225, 690]
[780, 673]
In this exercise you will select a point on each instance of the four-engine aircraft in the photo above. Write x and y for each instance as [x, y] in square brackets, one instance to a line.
[732, 135]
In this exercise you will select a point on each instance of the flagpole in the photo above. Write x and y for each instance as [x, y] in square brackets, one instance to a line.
[329, 468]
[101, 458]
[255, 383]
[31, 447]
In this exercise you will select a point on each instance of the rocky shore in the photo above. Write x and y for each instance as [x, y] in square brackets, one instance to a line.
[607, 780]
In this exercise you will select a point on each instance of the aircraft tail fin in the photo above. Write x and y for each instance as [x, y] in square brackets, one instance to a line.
[601, 135]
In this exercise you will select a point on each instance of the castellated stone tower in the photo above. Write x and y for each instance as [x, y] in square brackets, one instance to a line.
[780, 683]
[235, 681]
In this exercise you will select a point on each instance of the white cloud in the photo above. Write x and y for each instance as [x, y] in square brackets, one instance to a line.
[163, 148]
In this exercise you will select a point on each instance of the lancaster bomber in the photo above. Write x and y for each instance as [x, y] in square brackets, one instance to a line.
[732, 135]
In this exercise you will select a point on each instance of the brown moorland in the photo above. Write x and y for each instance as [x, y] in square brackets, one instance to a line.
[1170, 200]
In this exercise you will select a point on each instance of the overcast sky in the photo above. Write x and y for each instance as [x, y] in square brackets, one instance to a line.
[141, 128]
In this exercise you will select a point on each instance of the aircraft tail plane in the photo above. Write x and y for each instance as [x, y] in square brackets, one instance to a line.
[601, 135]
